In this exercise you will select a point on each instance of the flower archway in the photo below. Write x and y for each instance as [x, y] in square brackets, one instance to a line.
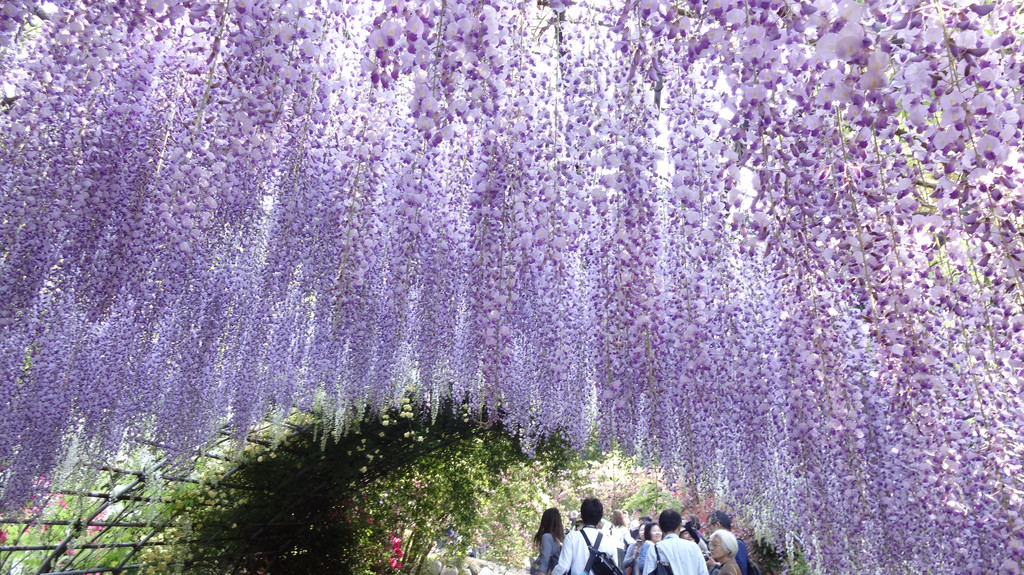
[775, 245]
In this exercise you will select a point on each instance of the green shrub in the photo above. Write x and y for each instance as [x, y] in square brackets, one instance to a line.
[376, 498]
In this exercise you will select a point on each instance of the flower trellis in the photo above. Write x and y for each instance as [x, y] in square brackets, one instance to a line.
[776, 245]
[126, 511]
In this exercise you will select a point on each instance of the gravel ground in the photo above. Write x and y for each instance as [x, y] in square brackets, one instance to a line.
[503, 569]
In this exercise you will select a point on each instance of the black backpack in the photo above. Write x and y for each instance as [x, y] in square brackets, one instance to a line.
[752, 568]
[599, 562]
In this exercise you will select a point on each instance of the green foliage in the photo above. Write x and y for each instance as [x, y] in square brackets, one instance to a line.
[766, 555]
[650, 497]
[374, 498]
[799, 564]
[510, 513]
[610, 477]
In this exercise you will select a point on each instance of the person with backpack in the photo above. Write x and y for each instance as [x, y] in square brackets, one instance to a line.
[684, 557]
[588, 550]
[548, 541]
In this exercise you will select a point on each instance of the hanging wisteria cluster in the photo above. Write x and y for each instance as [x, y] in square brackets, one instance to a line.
[776, 245]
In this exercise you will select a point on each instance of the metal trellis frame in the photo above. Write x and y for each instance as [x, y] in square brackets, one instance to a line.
[69, 553]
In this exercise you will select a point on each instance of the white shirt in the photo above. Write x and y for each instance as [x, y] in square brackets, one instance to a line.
[620, 533]
[575, 552]
[684, 556]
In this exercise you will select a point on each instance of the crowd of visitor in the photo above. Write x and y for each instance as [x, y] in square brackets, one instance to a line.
[667, 546]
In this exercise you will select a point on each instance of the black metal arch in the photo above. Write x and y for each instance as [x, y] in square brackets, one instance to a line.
[117, 525]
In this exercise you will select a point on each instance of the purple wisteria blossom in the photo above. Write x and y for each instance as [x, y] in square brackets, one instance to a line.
[776, 247]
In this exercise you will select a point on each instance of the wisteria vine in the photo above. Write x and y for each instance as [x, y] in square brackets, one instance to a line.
[776, 245]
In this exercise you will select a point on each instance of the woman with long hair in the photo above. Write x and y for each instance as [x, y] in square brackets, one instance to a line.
[619, 532]
[548, 541]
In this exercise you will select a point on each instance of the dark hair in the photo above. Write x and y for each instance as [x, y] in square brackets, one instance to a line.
[591, 511]
[669, 521]
[550, 522]
[646, 519]
[647, 530]
[618, 518]
[720, 517]
[691, 526]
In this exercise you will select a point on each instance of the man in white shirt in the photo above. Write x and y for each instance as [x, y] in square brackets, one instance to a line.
[684, 556]
[575, 551]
